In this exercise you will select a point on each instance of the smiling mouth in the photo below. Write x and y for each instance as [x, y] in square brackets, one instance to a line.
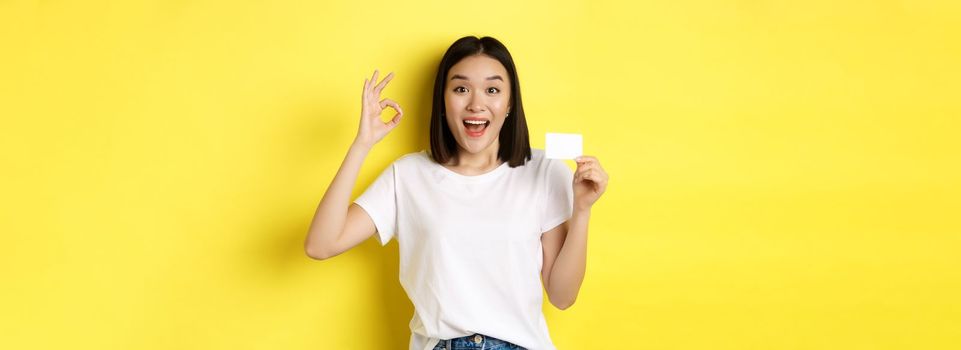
[476, 127]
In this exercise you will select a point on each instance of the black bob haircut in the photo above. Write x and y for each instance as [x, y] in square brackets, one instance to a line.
[515, 146]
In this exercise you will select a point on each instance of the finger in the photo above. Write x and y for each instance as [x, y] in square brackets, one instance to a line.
[596, 175]
[584, 166]
[373, 80]
[589, 160]
[601, 177]
[383, 84]
[366, 89]
[582, 174]
[394, 121]
[585, 159]
[586, 178]
[393, 104]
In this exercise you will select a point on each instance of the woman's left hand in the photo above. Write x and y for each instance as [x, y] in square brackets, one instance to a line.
[590, 181]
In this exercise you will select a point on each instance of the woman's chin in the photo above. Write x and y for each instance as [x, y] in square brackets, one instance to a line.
[474, 146]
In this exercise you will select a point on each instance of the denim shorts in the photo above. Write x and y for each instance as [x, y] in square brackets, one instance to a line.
[476, 341]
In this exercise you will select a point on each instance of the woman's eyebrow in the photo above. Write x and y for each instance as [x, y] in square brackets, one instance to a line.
[493, 77]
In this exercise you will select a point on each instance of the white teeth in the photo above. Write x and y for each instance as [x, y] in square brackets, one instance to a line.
[475, 122]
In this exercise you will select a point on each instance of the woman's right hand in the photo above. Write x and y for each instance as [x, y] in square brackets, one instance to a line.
[372, 128]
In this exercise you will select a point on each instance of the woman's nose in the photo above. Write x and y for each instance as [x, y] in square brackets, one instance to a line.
[475, 105]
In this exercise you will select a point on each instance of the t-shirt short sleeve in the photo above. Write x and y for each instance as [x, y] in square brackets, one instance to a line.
[560, 194]
[379, 200]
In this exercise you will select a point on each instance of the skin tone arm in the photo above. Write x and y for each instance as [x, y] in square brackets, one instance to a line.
[565, 246]
[339, 225]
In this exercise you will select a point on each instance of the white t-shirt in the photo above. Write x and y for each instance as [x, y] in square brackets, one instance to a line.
[470, 246]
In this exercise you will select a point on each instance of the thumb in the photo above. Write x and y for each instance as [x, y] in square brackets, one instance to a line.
[394, 122]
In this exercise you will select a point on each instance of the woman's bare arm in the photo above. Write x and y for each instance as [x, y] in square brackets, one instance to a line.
[327, 235]
[338, 225]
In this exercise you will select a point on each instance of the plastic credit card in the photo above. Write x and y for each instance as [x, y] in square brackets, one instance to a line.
[564, 146]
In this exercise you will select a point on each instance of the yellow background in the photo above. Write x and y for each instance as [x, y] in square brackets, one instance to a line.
[784, 174]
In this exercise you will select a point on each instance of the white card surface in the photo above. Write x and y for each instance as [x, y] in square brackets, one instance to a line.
[564, 146]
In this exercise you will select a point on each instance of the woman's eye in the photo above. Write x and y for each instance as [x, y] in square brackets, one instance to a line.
[493, 90]
[460, 89]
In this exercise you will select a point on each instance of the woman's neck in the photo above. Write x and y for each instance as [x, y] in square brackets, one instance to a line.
[476, 163]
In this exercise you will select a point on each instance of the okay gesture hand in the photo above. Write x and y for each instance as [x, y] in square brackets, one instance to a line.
[372, 128]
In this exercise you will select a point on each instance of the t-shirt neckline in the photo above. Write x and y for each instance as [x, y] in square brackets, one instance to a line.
[471, 178]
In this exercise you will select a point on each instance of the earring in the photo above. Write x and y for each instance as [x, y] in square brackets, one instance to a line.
[508, 115]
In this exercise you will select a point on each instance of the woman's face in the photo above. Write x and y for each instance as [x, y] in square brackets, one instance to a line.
[477, 99]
